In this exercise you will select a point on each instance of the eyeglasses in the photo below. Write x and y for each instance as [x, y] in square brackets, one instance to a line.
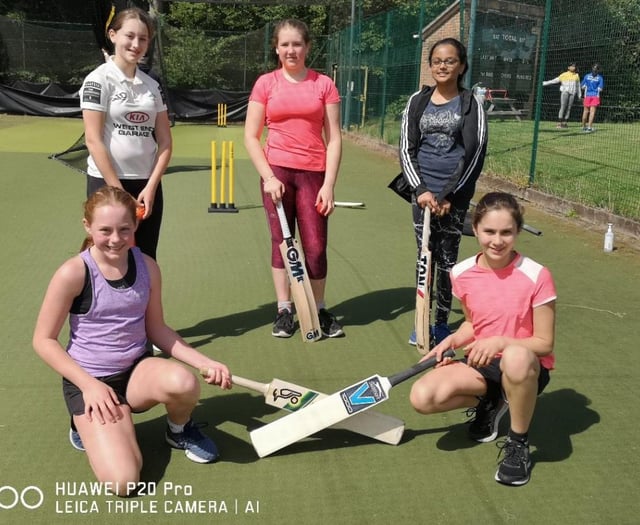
[449, 62]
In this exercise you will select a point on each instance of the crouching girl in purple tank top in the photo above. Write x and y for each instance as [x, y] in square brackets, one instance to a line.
[111, 295]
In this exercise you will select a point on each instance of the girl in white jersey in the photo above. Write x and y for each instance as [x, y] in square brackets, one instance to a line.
[127, 128]
[111, 294]
[507, 336]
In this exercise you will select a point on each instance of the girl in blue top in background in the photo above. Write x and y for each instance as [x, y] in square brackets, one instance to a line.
[592, 85]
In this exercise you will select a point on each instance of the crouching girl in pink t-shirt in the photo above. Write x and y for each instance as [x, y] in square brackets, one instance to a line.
[507, 336]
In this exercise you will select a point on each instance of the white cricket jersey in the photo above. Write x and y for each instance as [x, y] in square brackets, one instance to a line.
[131, 106]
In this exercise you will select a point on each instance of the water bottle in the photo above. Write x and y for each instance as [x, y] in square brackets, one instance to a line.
[608, 239]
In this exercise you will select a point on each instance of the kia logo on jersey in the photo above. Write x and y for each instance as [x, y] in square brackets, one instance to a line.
[136, 117]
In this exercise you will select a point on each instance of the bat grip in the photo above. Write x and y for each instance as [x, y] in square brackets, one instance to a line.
[417, 368]
[426, 227]
[284, 225]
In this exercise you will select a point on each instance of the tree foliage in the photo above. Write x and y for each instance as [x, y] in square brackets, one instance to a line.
[226, 45]
[224, 22]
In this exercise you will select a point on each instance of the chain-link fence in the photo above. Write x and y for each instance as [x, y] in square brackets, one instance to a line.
[44, 51]
[376, 66]
[596, 169]
[514, 47]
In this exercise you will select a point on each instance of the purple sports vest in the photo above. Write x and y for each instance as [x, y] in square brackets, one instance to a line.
[111, 335]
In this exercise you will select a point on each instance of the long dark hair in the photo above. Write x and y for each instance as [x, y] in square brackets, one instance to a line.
[462, 55]
[498, 200]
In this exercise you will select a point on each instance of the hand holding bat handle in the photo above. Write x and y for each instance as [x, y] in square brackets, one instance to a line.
[225, 382]
[237, 380]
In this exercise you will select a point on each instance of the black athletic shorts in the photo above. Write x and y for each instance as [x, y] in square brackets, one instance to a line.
[492, 374]
[119, 382]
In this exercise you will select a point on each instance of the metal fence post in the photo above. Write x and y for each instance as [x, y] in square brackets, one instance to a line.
[541, 73]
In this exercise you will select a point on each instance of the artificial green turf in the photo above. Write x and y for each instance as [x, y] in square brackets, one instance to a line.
[218, 294]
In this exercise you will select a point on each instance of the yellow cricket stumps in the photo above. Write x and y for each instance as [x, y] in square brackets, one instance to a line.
[225, 202]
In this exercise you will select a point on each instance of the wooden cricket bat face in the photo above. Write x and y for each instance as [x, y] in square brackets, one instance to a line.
[301, 291]
[294, 260]
[289, 396]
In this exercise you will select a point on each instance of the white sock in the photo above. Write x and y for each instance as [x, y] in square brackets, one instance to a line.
[176, 429]
[284, 305]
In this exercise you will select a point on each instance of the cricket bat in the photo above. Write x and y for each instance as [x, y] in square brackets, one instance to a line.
[333, 409]
[299, 282]
[292, 397]
[423, 294]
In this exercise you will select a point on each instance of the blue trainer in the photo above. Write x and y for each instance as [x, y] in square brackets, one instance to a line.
[197, 447]
[412, 339]
[440, 331]
[75, 440]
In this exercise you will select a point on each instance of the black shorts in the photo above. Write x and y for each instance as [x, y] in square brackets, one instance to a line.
[493, 374]
[119, 382]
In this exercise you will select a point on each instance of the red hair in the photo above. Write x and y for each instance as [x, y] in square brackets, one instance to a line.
[107, 195]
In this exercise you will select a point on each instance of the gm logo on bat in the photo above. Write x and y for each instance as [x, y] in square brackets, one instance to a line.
[295, 265]
[358, 397]
[312, 335]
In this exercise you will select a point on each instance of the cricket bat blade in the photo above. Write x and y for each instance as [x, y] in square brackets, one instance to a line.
[291, 397]
[333, 409]
[423, 287]
[299, 283]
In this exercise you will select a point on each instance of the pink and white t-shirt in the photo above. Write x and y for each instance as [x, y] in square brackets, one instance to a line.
[501, 302]
[295, 118]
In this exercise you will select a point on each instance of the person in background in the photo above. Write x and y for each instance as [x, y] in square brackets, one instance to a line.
[111, 294]
[443, 142]
[507, 337]
[298, 164]
[592, 85]
[569, 87]
[126, 124]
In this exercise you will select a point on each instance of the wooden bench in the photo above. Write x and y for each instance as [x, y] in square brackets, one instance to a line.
[501, 105]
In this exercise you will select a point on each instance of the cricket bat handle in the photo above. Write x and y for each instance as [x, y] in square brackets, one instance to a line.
[263, 388]
[286, 232]
[246, 383]
[417, 368]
